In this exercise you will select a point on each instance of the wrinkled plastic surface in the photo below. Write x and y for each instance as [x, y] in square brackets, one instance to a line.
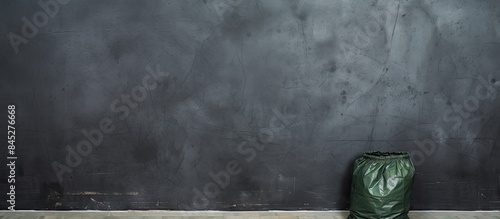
[381, 186]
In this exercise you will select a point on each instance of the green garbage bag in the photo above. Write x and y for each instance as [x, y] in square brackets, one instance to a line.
[381, 186]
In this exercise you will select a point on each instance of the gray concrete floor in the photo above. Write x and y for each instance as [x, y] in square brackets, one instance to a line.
[233, 215]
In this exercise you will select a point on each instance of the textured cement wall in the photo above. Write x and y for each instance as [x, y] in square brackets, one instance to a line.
[241, 105]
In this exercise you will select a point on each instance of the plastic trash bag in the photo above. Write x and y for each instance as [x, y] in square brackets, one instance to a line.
[381, 186]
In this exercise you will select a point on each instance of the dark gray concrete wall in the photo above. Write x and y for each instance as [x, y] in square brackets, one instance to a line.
[240, 105]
